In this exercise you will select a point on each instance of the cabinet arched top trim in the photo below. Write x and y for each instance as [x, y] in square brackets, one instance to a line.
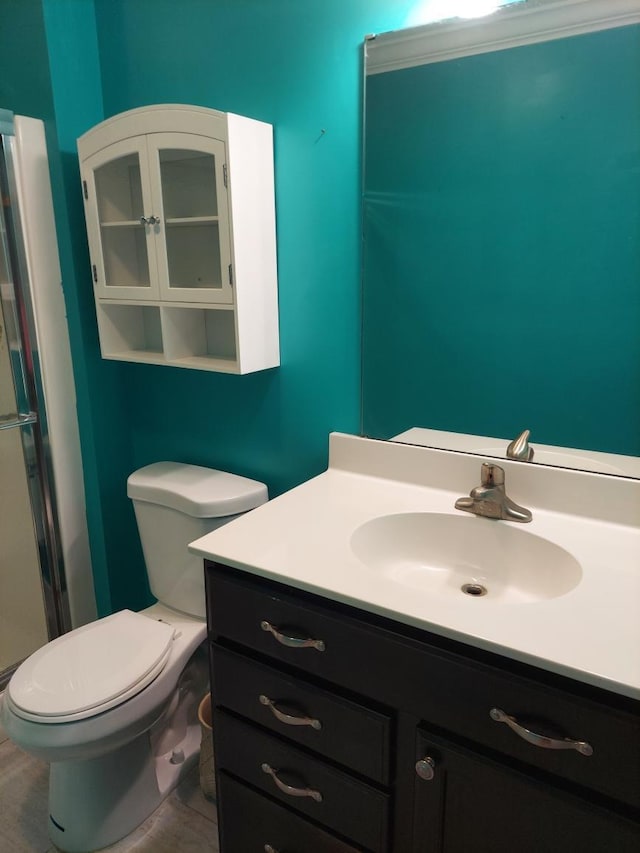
[156, 118]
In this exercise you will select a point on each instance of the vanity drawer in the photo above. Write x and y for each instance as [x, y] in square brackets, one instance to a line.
[338, 801]
[246, 611]
[271, 828]
[342, 730]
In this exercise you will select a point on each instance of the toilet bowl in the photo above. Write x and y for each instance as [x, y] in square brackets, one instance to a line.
[112, 706]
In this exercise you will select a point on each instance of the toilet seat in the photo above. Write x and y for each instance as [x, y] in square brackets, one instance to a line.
[91, 669]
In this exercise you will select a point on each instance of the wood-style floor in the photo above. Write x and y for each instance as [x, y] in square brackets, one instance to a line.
[184, 823]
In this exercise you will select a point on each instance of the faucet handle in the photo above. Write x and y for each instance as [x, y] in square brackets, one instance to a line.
[491, 475]
[520, 448]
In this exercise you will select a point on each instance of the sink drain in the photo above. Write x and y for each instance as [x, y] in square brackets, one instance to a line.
[475, 589]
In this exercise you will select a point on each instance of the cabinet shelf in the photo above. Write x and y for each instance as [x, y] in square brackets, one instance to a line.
[141, 356]
[124, 223]
[195, 362]
[192, 220]
[179, 335]
[133, 330]
[199, 288]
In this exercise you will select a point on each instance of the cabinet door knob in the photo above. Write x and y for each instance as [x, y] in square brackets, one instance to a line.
[536, 739]
[292, 642]
[426, 768]
[288, 719]
[289, 789]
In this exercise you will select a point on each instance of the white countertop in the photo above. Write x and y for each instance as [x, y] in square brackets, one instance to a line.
[592, 633]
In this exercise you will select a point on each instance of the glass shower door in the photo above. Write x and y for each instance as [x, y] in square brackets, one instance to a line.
[24, 625]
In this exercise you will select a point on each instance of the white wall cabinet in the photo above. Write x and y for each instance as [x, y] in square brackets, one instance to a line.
[179, 206]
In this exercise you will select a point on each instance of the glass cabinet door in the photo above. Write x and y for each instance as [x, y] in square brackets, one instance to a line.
[188, 179]
[123, 223]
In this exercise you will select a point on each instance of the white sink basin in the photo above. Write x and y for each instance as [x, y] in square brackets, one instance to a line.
[442, 554]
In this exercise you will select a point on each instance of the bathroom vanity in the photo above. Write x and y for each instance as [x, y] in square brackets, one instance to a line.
[354, 710]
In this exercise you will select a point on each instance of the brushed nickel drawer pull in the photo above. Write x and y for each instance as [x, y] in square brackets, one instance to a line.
[293, 642]
[289, 789]
[288, 719]
[536, 739]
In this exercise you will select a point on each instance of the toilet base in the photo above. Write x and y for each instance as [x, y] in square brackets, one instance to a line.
[95, 803]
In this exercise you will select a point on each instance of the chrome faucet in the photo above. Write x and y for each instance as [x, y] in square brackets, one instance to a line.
[490, 500]
[520, 448]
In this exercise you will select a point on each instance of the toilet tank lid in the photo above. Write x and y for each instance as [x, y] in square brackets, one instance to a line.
[194, 490]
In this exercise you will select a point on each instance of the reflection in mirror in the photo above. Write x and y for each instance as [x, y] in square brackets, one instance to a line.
[501, 286]
[543, 454]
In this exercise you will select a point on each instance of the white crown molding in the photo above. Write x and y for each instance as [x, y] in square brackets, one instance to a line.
[509, 26]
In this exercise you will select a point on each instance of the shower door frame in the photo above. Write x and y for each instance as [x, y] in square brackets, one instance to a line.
[31, 417]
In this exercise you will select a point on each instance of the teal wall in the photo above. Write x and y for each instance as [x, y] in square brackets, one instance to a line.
[296, 65]
[25, 86]
[502, 258]
[106, 441]
[49, 69]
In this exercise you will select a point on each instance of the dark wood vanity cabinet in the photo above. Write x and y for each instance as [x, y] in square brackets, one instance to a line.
[337, 730]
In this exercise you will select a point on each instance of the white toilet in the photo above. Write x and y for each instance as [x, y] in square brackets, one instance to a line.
[113, 705]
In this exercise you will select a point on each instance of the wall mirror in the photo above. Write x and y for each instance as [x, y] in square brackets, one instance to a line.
[501, 254]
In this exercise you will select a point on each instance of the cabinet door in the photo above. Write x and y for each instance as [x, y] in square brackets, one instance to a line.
[193, 235]
[118, 204]
[473, 803]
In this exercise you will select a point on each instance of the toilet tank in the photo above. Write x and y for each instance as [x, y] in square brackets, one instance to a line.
[176, 503]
